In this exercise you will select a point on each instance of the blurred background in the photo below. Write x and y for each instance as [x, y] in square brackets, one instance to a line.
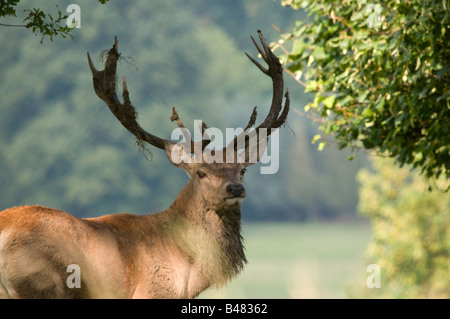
[61, 147]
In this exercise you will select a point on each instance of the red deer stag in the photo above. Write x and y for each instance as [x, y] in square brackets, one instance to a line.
[194, 244]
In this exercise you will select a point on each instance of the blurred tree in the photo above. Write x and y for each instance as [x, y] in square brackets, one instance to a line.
[235, 16]
[380, 74]
[411, 231]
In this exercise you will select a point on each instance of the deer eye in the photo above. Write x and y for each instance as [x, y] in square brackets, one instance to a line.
[243, 171]
[200, 174]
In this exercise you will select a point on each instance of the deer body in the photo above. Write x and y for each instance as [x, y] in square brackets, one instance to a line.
[194, 244]
[176, 253]
[120, 255]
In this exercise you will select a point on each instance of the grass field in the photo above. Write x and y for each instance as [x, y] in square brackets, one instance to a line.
[313, 260]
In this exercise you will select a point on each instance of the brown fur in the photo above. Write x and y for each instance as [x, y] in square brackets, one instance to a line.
[178, 253]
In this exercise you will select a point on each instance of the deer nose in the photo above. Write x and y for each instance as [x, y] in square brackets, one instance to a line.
[237, 190]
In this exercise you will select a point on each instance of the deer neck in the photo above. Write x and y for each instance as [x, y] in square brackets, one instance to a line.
[217, 227]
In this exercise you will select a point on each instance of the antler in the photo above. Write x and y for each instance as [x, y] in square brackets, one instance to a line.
[105, 88]
[274, 119]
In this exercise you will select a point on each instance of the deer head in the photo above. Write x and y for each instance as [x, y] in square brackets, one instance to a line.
[219, 181]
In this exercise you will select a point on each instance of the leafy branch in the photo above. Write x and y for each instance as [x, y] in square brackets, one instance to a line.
[379, 76]
[46, 25]
[38, 21]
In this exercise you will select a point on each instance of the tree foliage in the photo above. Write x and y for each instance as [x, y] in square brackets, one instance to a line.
[380, 75]
[411, 231]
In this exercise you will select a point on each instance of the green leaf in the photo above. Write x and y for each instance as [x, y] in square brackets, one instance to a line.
[444, 96]
[298, 47]
[311, 86]
[319, 53]
[329, 101]
[321, 146]
[367, 112]
[316, 138]
[380, 105]
[357, 15]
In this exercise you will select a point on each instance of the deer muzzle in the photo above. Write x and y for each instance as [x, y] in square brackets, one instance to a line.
[236, 190]
[236, 194]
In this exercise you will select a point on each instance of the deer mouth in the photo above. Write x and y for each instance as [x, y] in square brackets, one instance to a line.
[234, 200]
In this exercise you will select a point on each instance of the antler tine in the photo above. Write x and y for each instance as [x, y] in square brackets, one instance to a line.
[252, 120]
[282, 119]
[262, 52]
[180, 124]
[203, 143]
[263, 69]
[105, 88]
[275, 71]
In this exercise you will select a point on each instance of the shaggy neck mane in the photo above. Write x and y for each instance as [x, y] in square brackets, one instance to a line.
[230, 239]
[215, 234]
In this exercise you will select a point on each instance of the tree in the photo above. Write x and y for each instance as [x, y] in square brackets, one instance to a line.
[39, 21]
[379, 72]
[411, 231]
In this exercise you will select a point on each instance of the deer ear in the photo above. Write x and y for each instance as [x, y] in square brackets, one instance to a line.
[178, 156]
